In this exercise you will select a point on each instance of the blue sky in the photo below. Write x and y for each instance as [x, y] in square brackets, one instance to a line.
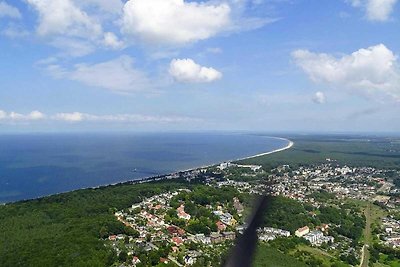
[160, 65]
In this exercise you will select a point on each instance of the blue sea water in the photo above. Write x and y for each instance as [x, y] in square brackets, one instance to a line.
[42, 164]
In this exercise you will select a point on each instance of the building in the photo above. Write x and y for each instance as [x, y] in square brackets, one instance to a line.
[177, 241]
[175, 231]
[135, 261]
[229, 235]
[164, 260]
[189, 260]
[182, 214]
[221, 227]
[313, 237]
[302, 231]
[216, 237]
[238, 206]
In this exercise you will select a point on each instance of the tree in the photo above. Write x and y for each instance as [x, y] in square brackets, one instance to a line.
[123, 256]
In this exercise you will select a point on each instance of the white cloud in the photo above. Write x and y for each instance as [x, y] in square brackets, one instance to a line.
[132, 118]
[186, 70]
[7, 10]
[371, 70]
[75, 117]
[112, 41]
[75, 27]
[376, 10]
[116, 75]
[63, 17]
[71, 117]
[174, 21]
[319, 98]
[14, 116]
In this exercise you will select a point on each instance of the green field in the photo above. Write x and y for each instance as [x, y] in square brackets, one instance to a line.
[270, 257]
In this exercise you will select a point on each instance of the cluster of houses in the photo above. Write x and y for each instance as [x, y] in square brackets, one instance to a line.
[225, 218]
[391, 235]
[362, 183]
[147, 217]
[269, 233]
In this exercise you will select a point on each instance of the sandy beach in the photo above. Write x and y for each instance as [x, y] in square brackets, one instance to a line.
[291, 143]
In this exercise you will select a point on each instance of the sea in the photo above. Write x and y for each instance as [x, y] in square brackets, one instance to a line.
[35, 165]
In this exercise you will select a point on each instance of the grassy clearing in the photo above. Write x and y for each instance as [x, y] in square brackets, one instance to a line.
[270, 257]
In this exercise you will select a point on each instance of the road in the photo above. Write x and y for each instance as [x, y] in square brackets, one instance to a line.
[367, 236]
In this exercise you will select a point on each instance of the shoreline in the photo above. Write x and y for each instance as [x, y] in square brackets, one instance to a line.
[161, 177]
[164, 176]
[290, 144]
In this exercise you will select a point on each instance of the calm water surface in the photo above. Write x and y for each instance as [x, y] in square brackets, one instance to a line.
[43, 164]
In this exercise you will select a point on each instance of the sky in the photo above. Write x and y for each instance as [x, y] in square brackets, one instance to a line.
[180, 65]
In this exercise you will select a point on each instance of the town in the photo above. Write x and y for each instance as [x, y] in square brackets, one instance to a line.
[197, 224]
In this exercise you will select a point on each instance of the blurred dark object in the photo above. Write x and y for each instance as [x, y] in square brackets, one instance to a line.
[242, 253]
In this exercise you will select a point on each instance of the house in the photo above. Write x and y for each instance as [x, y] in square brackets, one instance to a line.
[237, 205]
[175, 249]
[221, 227]
[164, 260]
[266, 237]
[177, 241]
[189, 260]
[182, 214]
[215, 237]
[227, 219]
[323, 227]
[173, 230]
[302, 231]
[313, 237]
[229, 235]
[135, 261]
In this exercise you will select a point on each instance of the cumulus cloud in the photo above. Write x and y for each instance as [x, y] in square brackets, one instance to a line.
[371, 70]
[7, 10]
[63, 17]
[14, 116]
[376, 10]
[174, 21]
[116, 75]
[162, 23]
[186, 70]
[319, 98]
[75, 27]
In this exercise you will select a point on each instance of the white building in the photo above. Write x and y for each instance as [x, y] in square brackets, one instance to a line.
[314, 236]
